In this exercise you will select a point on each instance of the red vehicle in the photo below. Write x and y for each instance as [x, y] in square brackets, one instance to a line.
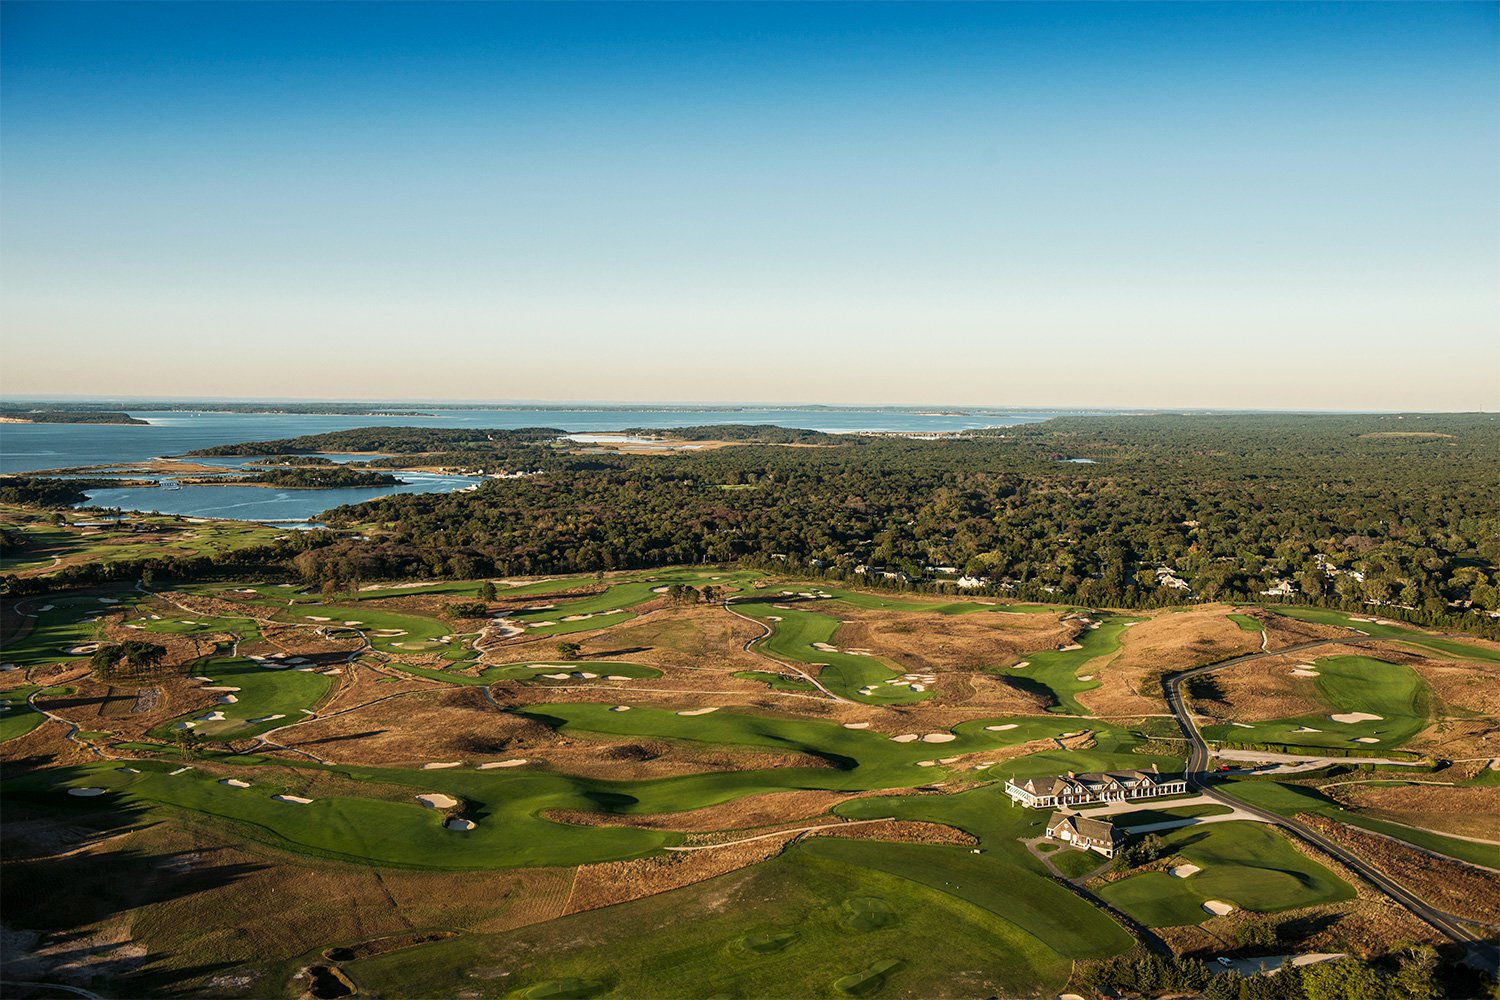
[1222, 767]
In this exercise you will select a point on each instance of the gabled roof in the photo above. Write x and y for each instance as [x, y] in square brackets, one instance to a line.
[1100, 831]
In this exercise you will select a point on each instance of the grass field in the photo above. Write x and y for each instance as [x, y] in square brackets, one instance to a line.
[60, 623]
[1246, 623]
[1439, 644]
[1056, 671]
[17, 718]
[50, 545]
[1243, 863]
[262, 693]
[845, 674]
[823, 919]
[1347, 684]
[777, 682]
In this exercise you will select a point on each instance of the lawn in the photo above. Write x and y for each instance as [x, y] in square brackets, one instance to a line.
[1247, 864]
[1393, 691]
[845, 674]
[17, 717]
[59, 624]
[1056, 670]
[1247, 623]
[1450, 647]
[821, 919]
[778, 682]
[262, 693]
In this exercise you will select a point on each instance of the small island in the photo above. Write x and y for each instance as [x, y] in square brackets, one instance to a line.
[318, 478]
[14, 415]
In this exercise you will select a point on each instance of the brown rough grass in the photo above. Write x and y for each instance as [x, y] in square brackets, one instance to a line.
[1472, 811]
[1164, 643]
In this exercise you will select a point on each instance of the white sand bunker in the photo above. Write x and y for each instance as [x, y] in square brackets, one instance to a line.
[1304, 672]
[905, 738]
[128, 770]
[84, 650]
[492, 764]
[459, 824]
[659, 590]
[1365, 739]
[87, 793]
[699, 711]
[1018, 666]
[207, 680]
[234, 783]
[584, 675]
[319, 618]
[824, 647]
[558, 677]
[267, 718]
[1001, 729]
[437, 800]
[1183, 871]
[1351, 717]
[294, 799]
[214, 716]
[939, 738]
[388, 632]
[1069, 647]
[108, 600]
[353, 623]
[1218, 907]
[1086, 677]
[926, 763]
[620, 708]
[773, 618]
[856, 725]
[219, 687]
[1305, 729]
[439, 765]
[617, 677]
[226, 699]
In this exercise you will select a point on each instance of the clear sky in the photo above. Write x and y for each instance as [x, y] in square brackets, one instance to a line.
[1258, 205]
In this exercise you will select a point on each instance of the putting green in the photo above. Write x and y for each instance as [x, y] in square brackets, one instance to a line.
[1347, 684]
[1449, 647]
[1247, 864]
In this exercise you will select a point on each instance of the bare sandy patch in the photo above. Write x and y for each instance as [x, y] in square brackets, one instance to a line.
[437, 800]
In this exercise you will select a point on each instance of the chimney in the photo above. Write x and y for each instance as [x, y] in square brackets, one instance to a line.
[1070, 774]
[1154, 770]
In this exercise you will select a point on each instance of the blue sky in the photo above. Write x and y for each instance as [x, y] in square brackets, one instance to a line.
[1255, 205]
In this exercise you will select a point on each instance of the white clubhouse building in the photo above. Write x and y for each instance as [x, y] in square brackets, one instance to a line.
[1099, 786]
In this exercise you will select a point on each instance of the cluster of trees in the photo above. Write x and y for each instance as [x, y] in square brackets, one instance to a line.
[1411, 974]
[70, 416]
[133, 658]
[1140, 852]
[1230, 504]
[391, 440]
[40, 491]
[320, 477]
[757, 433]
[684, 593]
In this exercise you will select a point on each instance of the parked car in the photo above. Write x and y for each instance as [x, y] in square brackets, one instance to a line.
[1224, 961]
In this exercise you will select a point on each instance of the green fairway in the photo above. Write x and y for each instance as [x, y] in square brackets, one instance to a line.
[1449, 647]
[1247, 864]
[1288, 800]
[1056, 670]
[1347, 684]
[540, 672]
[1247, 623]
[852, 675]
[799, 925]
[17, 717]
[59, 624]
[941, 606]
[777, 682]
[261, 693]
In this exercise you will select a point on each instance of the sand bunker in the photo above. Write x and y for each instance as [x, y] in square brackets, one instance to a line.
[87, 793]
[294, 799]
[267, 718]
[1183, 871]
[108, 600]
[558, 677]
[659, 590]
[234, 783]
[84, 650]
[856, 725]
[1001, 729]
[218, 687]
[824, 647]
[773, 618]
[173, 774]
[437, 800]
[926, 763]
[492, 764]
[1304, 672]
[46, 607]
[939, 738]
[584, 675]
[1365, 739]
[699, 711]
[460, 824]
[226, 699]
[1305, 729]
[1086, 677]
[1018, 666]
[620, 708]
[1351, 717]
[319, 618]
[439, 765]
[905, 738]
[1218, 907]
[577, 618]
[128, 770]
[1069, 647]
[617, 677]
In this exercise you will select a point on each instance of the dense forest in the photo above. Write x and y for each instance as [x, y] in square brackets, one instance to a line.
[51, 416]
[1396, 512]
[40, 491]
[318, 477]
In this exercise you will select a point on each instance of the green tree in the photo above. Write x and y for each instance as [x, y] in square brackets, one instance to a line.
[568, 650]
[487, 591]
[1342, 979]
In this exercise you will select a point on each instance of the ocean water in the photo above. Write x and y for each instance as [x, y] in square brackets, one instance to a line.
[33, 447]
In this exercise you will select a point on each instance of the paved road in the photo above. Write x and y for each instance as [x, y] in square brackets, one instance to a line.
[765, 631]
[1199, 776]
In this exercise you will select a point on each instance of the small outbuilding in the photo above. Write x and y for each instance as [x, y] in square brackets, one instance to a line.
[1084, 833]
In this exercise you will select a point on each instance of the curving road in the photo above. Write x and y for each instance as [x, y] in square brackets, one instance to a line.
[1199, 777]
[766, 631]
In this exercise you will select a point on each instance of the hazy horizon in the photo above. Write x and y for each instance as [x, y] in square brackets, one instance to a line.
[1143, 206]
